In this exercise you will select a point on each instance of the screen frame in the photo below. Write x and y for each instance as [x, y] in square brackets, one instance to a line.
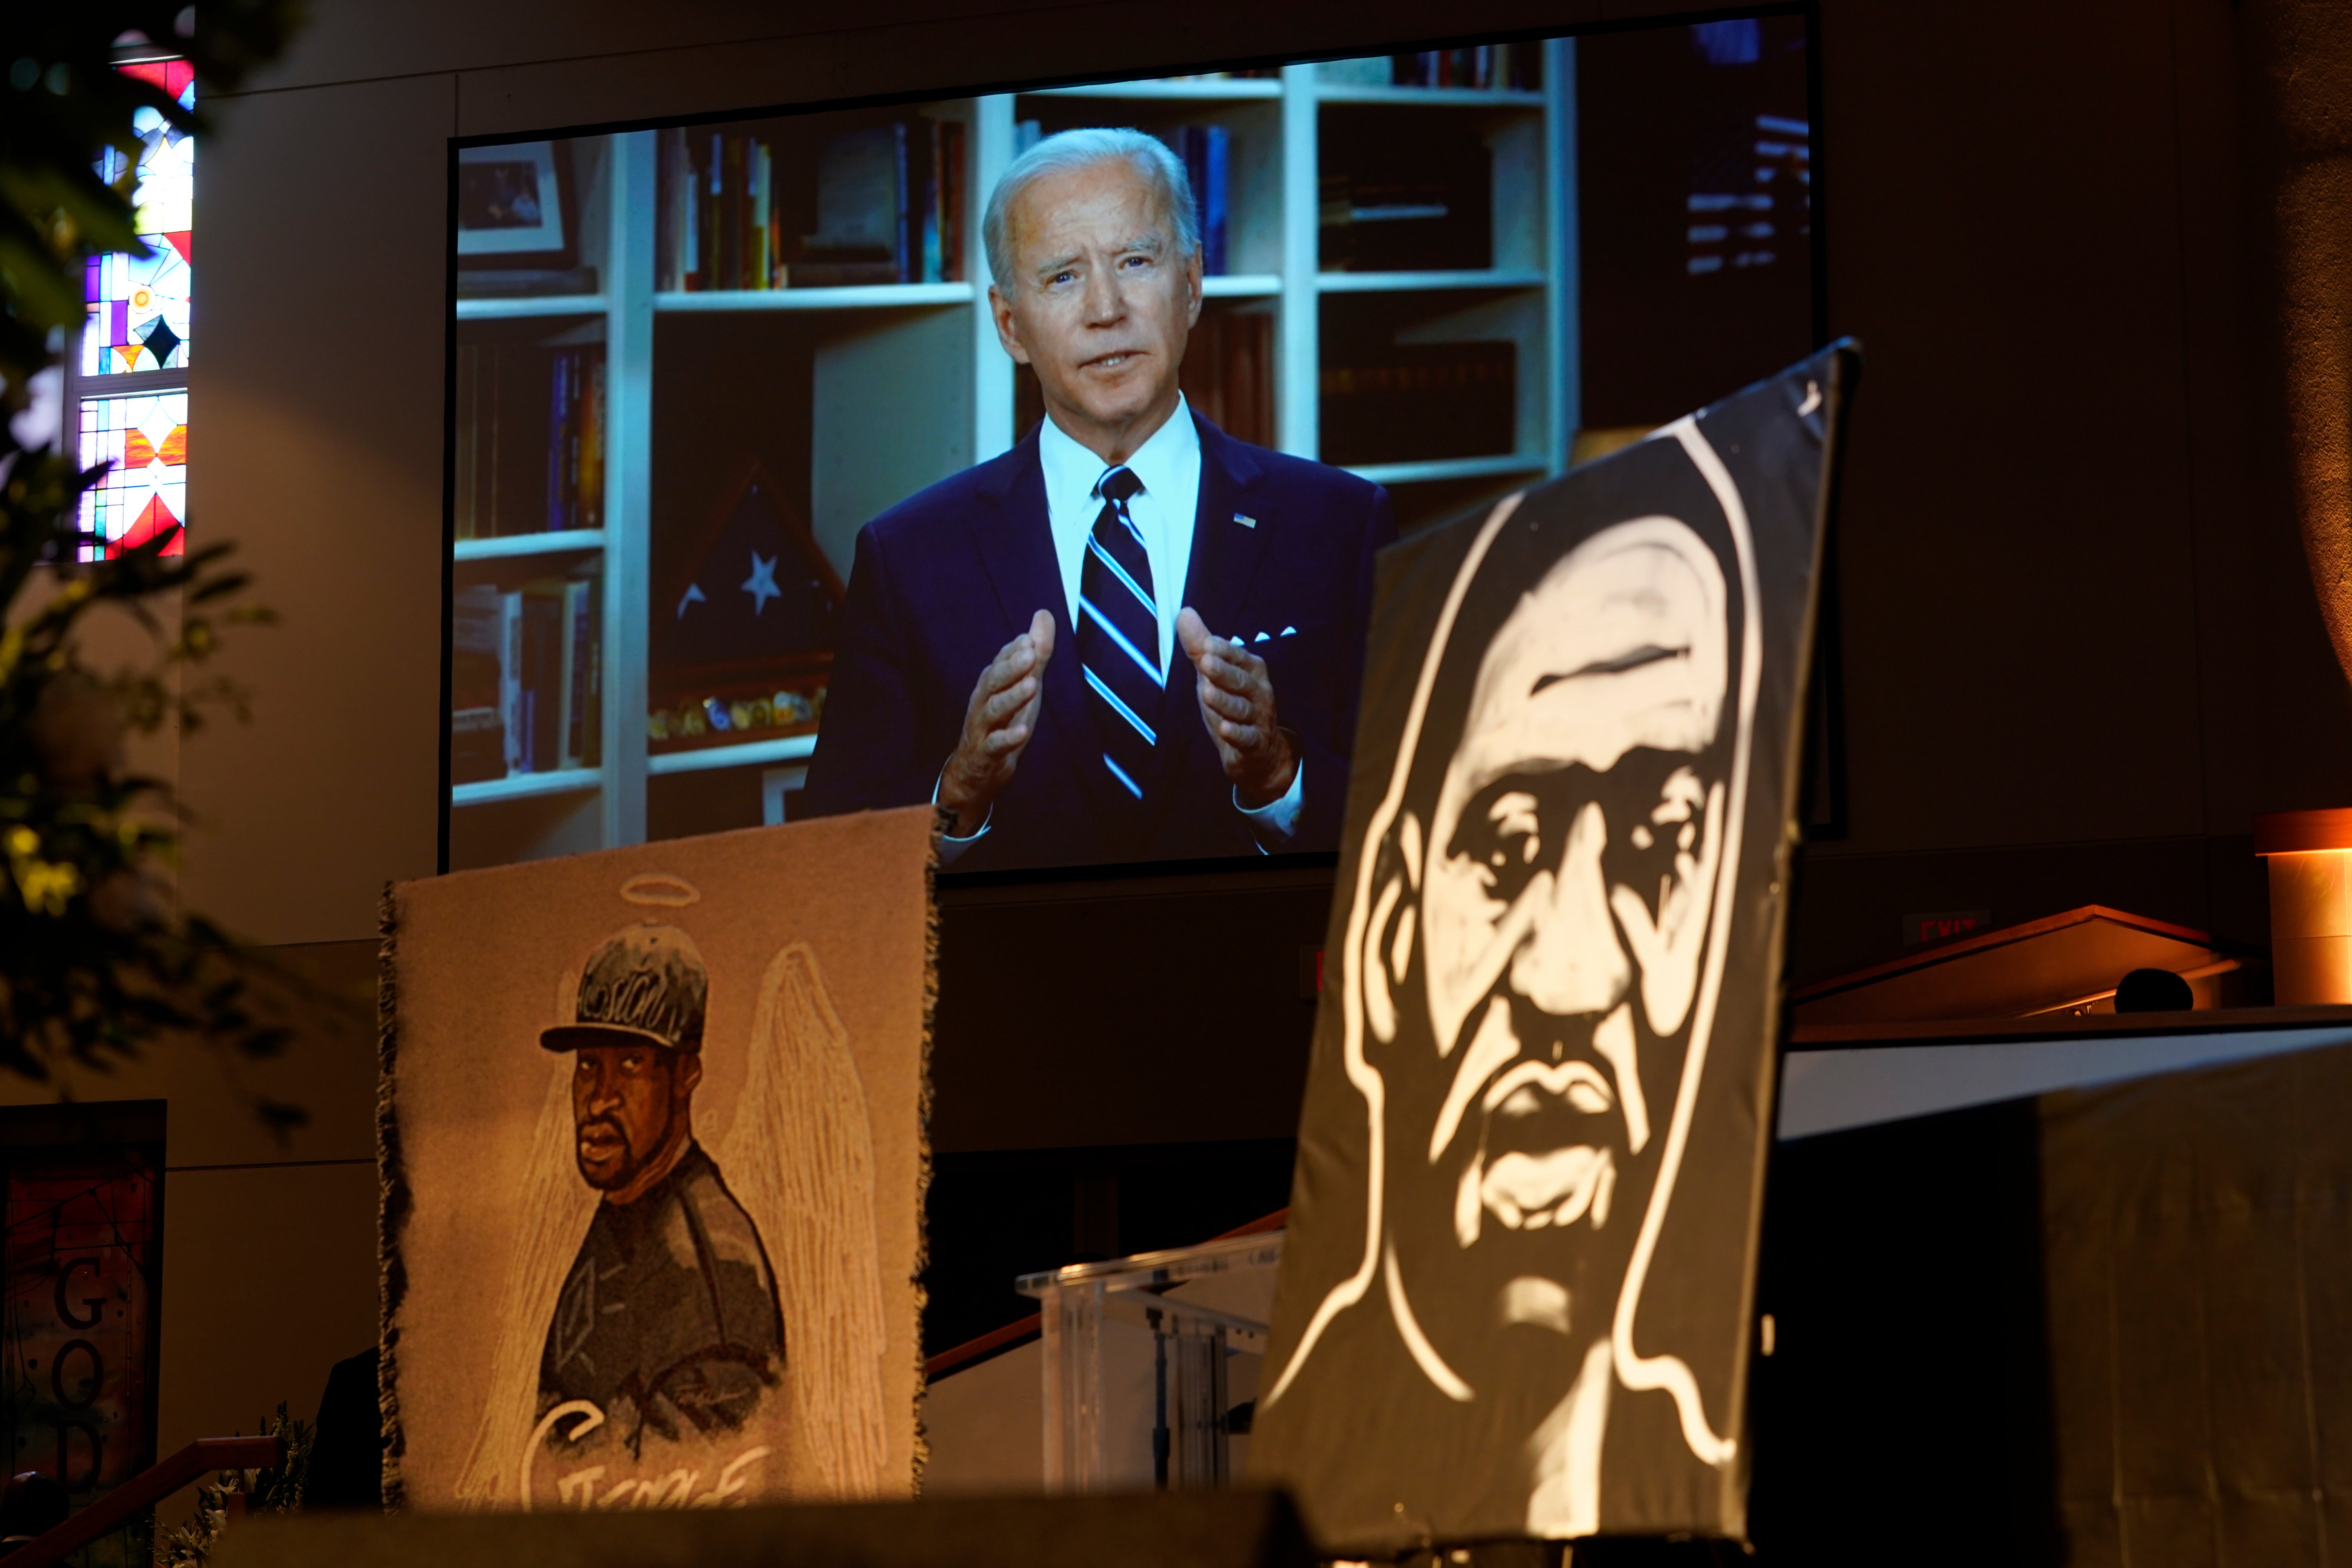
[1825, 815]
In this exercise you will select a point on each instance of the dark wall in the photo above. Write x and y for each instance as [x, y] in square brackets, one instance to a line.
[1655, 118]
[2080, 647]
[996, 1215]
[1124, 1010]
[1903, 1275]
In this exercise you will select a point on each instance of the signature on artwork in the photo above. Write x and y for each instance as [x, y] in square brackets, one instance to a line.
[679, 1488]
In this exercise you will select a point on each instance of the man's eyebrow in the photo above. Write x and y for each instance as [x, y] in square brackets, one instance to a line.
[1648, 653]
[1150, 243]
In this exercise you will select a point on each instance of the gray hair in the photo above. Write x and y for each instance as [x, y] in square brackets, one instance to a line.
[1066, 151]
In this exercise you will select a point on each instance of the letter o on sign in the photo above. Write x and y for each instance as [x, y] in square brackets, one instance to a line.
[88, 1394]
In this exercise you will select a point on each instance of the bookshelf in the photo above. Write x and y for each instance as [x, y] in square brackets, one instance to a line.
[856, 395]
[518, 309]
[1175, 91]
[513, 546]
[856, 297]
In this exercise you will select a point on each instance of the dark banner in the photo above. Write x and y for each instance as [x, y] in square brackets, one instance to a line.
[1518, 1291]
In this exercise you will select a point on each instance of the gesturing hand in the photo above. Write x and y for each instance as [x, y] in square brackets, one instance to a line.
[997, 725]
[1238, 705]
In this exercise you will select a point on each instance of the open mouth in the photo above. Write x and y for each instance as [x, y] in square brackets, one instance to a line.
[602, 1143]
[1529, 1192]
[1537, 1164]
[1118, 361]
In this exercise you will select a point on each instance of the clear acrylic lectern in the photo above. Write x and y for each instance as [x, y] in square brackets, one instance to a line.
[1151, 1363]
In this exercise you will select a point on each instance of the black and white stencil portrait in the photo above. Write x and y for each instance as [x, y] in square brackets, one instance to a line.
[652, 1143]
[1517, 1296]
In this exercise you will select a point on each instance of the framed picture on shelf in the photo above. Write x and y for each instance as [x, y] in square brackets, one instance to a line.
[515, 205]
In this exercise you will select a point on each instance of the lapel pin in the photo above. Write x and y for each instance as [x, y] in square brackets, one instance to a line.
[1245, 521]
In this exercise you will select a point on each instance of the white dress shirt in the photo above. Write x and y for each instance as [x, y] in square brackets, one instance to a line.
[1165, 510]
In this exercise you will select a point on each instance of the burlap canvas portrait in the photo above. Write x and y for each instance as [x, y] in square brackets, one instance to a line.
[653, 1160]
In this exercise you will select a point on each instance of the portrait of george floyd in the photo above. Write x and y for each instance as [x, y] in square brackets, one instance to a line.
[652, 1152]
[1517, 1296]
[1132, 636]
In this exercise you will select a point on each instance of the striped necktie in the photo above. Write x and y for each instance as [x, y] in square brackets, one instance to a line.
[1119, 636]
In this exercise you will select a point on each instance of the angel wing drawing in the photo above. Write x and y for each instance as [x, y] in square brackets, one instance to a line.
[556, 1206]
[798, 1155]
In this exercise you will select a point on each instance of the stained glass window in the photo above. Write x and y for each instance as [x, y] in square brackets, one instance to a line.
[146, 491]
[138, 308]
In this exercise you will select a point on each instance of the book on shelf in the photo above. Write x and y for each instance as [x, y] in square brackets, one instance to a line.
[718, 209]
[1490, 67]
[521, 640]
[943, 215]
[1411, 403]
[530, 439]
[563, 441]
[476, 698]
[1206, 151]
[524, 282]
[861, 200]
[1228, 373]
[1400, 199]
[526, 679]
[477, 447]
[881, 203]
[578, 673]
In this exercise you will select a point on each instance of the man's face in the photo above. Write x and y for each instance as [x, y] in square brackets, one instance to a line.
[1566, 885]
[1100, 299]
[625, 1099]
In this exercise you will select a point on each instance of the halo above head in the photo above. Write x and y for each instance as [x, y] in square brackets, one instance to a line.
[660, 888]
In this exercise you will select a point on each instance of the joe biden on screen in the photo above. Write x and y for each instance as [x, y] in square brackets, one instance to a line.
[1132, 636]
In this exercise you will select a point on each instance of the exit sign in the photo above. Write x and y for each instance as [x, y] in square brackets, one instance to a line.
[1917, 929]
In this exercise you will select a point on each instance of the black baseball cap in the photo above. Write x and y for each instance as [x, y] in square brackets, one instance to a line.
[643, 985]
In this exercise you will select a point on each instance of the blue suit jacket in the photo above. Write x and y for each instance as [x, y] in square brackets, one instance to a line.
[946, 578]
